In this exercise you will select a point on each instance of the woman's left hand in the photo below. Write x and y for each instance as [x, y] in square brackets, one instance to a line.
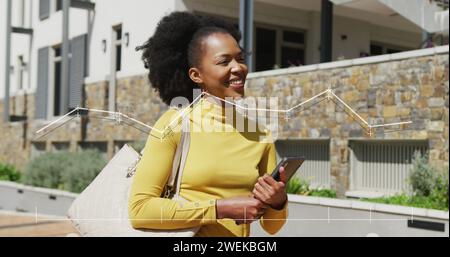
[270, 191]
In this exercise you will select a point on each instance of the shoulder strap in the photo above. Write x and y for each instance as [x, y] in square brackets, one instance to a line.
[180, 156]
[184, 152]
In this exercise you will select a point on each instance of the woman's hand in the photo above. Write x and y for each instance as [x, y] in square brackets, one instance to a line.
[270, 191]
[242, 209]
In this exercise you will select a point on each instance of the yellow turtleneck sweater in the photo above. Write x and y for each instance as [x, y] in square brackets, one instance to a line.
[220, 164]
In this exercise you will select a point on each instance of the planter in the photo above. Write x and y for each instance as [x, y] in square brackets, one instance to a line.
[317, 217]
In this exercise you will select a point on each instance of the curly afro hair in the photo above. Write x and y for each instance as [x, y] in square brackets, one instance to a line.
[175, 47]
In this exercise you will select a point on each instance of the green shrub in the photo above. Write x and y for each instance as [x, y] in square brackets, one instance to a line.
[78, 176]
[423, 176]
[439, 194]
[301, 187]
[65, 171]
[413, 201]
[429, 187]
[329, 193]
[297, 186]
[9, 172]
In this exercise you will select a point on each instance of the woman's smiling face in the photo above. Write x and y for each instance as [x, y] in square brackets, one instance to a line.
[221, 70]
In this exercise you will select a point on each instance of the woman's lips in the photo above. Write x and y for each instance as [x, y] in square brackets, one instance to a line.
[237, 84]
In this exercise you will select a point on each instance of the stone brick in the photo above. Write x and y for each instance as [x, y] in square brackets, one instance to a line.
[404, 112]
[437, 126]
[389, 111]
[325, 132]
[406, 96]
[389, 98]
[371, 98]
[373, 112]
[418, 125]
[362, 85]
[436, 102]
[436, 143]
[437, 113]
[425, 79]
[434, 154]
[343, 153]
[422, 113]
[426, 90]
[356, 132]
[351, 96]
[438, 73]
[314, 133]
[422, 103]
[440, 91]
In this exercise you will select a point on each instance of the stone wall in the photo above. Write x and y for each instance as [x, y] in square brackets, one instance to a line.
[134, 98]
[413, 89]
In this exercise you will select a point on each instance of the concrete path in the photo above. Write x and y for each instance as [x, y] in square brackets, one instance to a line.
[29, 225]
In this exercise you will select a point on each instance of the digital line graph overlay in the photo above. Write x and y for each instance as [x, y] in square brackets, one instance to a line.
[120, 118]
[328, 219]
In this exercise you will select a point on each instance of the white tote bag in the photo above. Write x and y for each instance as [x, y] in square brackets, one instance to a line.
[102, 208]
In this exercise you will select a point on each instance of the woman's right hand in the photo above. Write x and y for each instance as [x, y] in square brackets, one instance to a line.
[242, 209]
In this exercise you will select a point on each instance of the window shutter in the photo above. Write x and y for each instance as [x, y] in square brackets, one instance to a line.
[42, 86]
[44, 9]
[77, 70]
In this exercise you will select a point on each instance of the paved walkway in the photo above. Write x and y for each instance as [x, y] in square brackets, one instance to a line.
[26, 225]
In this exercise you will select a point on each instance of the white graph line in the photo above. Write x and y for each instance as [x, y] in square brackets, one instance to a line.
[348, 107]
[329, 94]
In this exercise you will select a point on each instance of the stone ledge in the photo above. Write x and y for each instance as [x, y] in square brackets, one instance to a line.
[365, 194]
[368, 206]
[37, 189]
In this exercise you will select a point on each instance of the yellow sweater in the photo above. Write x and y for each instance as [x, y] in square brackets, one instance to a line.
[219, 165]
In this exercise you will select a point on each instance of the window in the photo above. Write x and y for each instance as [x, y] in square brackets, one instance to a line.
[57, 81]
[60, 146]
[292, 49]
[381, 48]
[376, 50]
[383, 165]
[44, 9]
[102, 147]
[58, 5]
[117, 46]
[316, 168]
[37, 149]
[277, 47]
[21, 68]
[20, 13]
[119, 144]
[292, 56]
[265, 49]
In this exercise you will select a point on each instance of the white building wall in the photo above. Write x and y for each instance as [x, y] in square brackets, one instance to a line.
[358, 38]
[359, 33]
[139, 19]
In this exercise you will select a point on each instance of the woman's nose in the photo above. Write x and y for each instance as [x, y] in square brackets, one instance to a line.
[236, 66]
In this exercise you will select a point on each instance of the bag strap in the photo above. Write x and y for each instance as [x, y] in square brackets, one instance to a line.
[184, 152]
[179, 159]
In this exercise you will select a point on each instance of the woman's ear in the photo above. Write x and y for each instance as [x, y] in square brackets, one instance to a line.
[195, 75]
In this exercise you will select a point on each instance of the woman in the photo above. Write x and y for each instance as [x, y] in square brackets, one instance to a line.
[225, 176]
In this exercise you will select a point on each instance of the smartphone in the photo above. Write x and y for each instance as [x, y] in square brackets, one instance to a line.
[291, 165]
